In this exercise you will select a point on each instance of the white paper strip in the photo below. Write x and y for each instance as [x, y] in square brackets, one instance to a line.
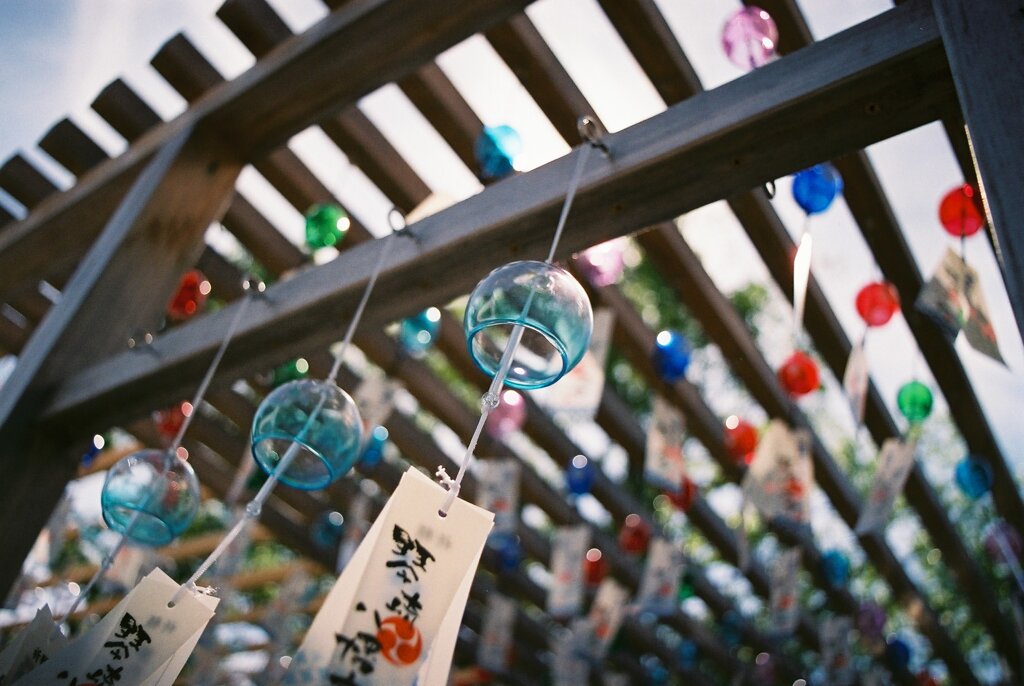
[664, 465]
[571, 651]
[781, 475]
[578, 393]
[397, 606]
[375, 398]
[894, 465]
[568, 548]
[801, 277]
[495, 646]
[784, 608]
[32, 646]
[498, 492]
[140, 641]
[835, 650]
[606, 614]
[855, 381]
[659, 585]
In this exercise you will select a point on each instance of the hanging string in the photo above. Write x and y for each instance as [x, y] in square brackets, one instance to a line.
[490, 400]
[255, 507]
[801, 277]
[397, 222]
[250, 286]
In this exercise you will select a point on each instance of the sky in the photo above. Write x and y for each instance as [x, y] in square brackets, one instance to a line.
[55, 56]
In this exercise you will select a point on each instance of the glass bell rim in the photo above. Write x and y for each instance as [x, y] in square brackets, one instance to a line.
[169, 532]
[317, 453]
[513, 381]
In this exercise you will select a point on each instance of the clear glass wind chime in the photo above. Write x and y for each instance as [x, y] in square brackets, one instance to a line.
[306, 433]
[150, 497]
[527, 323]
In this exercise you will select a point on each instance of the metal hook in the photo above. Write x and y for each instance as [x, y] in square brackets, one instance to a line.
[591, 131]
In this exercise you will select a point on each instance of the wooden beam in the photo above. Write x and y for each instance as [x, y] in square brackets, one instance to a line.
[435, 96]
[775, 246]
[372, 42]
[70, 146]
[159, 226]
[24, 182]
[659, 169]
[983, 45]
[125, 111]
[864, 196]
[260, 29]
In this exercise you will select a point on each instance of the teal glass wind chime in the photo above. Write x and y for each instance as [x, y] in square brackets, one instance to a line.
[306, 433]
[527, 323]
[150, 497]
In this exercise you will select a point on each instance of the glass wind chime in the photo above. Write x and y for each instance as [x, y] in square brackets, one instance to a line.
[953, 296]
[527, 323]
[306, 433]
[750, 38]
[1002, 542]
[150, 497]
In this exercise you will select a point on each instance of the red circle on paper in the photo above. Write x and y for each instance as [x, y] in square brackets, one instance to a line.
[400, 641]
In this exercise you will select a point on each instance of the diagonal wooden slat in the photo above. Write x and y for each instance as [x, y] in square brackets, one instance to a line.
[125, 111]
[775, 247]
[24, 182]
[70, 146]
[260, 29]
[371, 42]
[660, 170]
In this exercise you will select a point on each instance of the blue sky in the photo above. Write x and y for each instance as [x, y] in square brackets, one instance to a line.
[56, 55]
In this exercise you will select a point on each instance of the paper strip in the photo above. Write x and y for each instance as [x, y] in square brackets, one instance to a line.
[498, 492]
[663, 460]
[659, 585]
[894, 465]
[404, 587]
[141, 641]
[568, 548]
[495, 646]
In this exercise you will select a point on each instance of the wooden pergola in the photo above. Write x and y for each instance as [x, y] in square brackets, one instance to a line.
[116, 243]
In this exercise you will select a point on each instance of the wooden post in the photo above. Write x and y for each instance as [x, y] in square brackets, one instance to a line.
[983, 42]
[122, 285]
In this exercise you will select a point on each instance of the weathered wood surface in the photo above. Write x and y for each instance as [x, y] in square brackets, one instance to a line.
[123, 283]
[372, 42]
[983, 43]
[660, 168]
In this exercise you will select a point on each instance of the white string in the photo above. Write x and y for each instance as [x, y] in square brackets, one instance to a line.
[252, 510]
[211, 370]
[377, 268]
[255, 506]
[569, 197]
[108, 559]
[492, 397]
